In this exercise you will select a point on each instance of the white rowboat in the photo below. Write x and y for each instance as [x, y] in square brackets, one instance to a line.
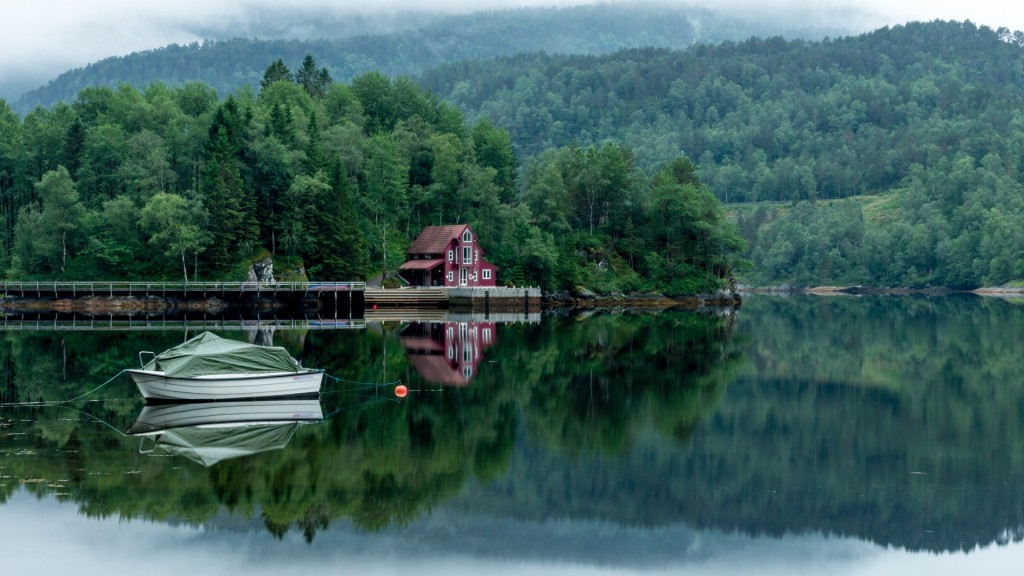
[208, 367]
[156, 385]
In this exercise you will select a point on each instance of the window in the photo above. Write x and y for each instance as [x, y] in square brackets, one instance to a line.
[487, 273]
[451, 255]
[467, 255]
[451, 276]
[476, 255]
[487, 335]
[467, 236]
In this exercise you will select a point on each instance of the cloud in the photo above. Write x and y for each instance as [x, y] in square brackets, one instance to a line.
[43, 38]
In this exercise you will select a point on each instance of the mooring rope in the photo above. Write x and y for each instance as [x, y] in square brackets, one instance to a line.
[365, 385]
[361, 386]
[56, 402]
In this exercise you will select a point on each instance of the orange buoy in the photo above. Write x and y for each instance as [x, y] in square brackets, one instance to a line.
[401, 391]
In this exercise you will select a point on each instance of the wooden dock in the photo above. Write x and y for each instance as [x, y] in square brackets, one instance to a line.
[185, 290]
[405, 298]
[340, 299]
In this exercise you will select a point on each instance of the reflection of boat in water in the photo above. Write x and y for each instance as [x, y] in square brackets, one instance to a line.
[213, 431]
[208, 367]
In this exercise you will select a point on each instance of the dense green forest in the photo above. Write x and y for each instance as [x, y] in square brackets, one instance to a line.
[930, 114]
[350, 45]
[892, 158]
[168, 182]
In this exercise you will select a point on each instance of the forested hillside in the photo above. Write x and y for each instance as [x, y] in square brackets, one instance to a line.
[930, 113]
[892, 158]
[417, 42]
[167, 182]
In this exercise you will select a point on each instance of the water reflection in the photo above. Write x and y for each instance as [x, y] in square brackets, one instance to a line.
[887, 421]
[447, 352]
[210, 432]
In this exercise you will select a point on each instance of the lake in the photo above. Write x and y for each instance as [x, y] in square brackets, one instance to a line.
[798, 435]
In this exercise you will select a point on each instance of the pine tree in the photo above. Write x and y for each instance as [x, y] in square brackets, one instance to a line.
[276, 72]
[315, 82]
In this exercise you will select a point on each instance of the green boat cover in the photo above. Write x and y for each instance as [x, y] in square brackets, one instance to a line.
[208, 353]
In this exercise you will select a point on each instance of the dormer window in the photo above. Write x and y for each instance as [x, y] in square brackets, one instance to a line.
[467, 236]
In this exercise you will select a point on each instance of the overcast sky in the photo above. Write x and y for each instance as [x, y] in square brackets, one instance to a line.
[42, 38]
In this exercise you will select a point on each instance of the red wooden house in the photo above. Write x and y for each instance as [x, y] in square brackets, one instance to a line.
[447, 353]
[447, 256]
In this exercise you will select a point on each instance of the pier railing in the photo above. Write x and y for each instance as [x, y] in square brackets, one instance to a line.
[14, 324]
[150, 288]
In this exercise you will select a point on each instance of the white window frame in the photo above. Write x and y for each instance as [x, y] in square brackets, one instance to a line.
[451, 276]
[467, 236]
[451, 255]
[487, 273]
[467, 255]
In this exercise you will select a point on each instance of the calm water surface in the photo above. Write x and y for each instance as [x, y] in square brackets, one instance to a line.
[800, 435]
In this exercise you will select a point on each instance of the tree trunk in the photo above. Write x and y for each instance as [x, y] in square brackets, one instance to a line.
[184, 266]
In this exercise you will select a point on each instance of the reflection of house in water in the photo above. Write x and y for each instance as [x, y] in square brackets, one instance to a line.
[447, 352]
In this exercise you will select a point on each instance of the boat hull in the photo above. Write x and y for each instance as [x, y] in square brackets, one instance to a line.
[156, 385]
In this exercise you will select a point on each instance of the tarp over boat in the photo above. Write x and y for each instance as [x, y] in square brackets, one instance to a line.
[208, 354]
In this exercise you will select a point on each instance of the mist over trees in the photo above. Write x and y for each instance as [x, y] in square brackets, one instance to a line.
[350, 45]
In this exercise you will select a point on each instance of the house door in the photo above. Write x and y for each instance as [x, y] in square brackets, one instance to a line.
[463, 276]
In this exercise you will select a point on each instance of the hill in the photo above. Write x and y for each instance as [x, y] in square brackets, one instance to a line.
[412, 44]
[930, 113]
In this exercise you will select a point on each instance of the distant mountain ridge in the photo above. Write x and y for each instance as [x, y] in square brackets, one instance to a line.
[228, 64]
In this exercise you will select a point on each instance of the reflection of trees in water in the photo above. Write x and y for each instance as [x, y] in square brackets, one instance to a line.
[578, 386]
[603, 380]
[894, 420]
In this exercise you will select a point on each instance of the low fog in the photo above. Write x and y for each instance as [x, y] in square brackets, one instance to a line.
[44, 38]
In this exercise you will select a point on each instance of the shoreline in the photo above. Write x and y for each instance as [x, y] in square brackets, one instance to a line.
[163, 306]
[787, 290]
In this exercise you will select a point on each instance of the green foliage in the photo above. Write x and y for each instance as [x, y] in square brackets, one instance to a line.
[338, 179]
[927, 112]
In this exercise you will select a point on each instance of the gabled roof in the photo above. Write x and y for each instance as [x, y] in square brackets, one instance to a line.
[435, 239]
